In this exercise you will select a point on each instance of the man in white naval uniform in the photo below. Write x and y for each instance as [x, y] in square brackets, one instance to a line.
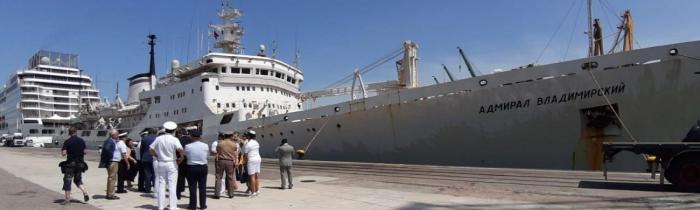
[164, 150]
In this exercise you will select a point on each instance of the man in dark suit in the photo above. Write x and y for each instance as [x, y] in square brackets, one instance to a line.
[284, 153]
[182, 167]
[112, 153]
[147, 161]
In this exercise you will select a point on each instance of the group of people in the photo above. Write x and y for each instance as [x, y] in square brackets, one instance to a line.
[168, 158]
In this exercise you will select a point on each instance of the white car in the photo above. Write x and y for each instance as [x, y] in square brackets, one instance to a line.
[18, 141]
[29, 143]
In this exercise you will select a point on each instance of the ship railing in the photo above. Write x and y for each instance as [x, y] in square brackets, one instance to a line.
[54, 59]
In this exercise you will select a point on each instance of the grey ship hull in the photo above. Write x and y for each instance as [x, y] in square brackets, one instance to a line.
[526, 118]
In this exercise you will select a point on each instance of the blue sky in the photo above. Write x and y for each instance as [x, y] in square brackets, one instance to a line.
[334, 36]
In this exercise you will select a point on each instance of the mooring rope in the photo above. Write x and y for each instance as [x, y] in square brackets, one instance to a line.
[607, 100]
[306, 148]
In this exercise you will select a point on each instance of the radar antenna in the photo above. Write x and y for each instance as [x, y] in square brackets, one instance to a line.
[228, 34]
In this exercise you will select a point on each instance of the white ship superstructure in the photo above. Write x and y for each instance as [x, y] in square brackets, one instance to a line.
[41, 101]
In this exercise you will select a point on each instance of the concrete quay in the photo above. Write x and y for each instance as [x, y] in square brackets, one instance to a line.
[31, 179]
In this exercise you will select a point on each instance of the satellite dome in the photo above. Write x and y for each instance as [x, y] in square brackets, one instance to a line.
[45, 60]
[262, 47]
[175, 63]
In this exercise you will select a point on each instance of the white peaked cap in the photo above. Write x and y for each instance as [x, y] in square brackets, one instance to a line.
[251, 132]
[170, 125]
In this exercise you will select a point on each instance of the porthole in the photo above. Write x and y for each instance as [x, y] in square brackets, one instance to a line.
[338, 125]
[673, 52]
[308, 130]
[337, 109]
[281, 134]
[313, 129]
[291, 132]
[483, 82]
[271, 135]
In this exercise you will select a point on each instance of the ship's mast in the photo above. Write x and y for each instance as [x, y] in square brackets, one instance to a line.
[590, 30]
[228, 34]
[152, 66]
[152, 44]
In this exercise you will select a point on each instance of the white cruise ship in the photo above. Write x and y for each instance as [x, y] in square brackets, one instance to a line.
[43, 99]
[201, 92]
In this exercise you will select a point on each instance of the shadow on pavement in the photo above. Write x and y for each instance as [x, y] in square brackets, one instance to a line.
[72, 201]
[146, 206]
[683, 201]
[99, 197]
[610, 185]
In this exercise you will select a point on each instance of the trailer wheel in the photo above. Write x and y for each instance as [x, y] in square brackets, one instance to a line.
[685, 173]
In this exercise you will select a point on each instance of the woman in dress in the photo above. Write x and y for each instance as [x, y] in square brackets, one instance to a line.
[253, 160]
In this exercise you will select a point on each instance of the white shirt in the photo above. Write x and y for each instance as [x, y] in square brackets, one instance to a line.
[197, 153]
[251, 149]
[213, 146]
[118, 150]
[166, 147]
[138, 151]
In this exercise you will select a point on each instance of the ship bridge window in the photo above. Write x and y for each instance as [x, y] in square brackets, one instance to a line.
[31, 122]
[85, 133]
[245, 70]
[278, 75]
[263, 71]
[33, 131]
[217, 87]
[238, 88]
[236, 70]
[157, 99]
[257, 71]
[223, 69]
[226, 119]
[101, 133]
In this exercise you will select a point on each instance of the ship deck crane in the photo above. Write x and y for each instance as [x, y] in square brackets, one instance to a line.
[407, 78]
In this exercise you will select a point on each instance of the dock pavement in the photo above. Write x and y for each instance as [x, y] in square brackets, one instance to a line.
[30, 179]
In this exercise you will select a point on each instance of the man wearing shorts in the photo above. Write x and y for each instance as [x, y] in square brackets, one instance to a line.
[74, 166]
